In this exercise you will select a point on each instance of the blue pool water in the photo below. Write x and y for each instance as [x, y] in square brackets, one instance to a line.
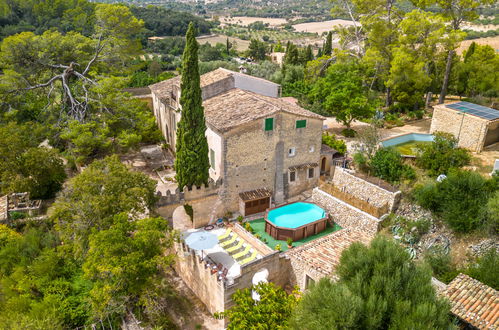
[411, 137]
[295, 215]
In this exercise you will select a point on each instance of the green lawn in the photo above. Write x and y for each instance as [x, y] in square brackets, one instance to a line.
[259, 228]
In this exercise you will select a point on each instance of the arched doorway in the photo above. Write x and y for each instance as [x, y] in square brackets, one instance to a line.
[323, 164]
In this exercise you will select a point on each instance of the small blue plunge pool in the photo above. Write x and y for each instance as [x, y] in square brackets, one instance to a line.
[407, 144]
[295, 221]
[295, 215]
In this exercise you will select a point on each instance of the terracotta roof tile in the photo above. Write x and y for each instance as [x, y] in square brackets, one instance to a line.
[236, 107]
[474, 302]
[323, 254]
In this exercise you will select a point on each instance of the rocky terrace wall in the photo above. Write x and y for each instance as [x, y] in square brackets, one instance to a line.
[364, 190]
[188, 195]
[344, 214]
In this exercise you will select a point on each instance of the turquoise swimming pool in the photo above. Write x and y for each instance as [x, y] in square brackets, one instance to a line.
[407, 144]
[295, 221]
[295, 215]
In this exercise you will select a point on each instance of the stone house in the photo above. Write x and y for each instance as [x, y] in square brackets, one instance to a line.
[474, 126]
[262, 148]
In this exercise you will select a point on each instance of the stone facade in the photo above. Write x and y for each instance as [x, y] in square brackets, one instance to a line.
[364, 190]
[245, 154]
[344, 214]
[216, 294]
[255, 158]
[472, 132]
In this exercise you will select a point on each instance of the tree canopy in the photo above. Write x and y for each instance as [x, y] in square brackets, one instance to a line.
[379, 287]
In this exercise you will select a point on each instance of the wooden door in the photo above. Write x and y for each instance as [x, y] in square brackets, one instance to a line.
[257, 206]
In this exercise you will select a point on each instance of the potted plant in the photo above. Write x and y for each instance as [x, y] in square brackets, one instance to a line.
[290, 242]
[240, 219]
[278, 247]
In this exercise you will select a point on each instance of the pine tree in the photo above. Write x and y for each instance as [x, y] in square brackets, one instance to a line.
[328, 46]
[192, 162]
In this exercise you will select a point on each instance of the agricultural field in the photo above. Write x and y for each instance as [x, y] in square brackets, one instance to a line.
[239, 44]
[268, 35]
[492, 41]
[245, 20]
[321, 27]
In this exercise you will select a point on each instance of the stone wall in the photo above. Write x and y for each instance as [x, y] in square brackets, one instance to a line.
[255, 158]
[217, 87]
[361, 189]
[469, 130]
[344, 214]
[199, 279]
[279, 272]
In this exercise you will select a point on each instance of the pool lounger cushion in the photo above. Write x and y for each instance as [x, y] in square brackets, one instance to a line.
[242, 253]
[250, 258]
[230, 241]
[225, 235]
[235, 247]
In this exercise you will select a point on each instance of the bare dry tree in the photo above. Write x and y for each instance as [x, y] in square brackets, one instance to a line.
[76, 106]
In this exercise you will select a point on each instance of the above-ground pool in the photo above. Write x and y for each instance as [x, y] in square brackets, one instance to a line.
[295, 221]
[406, 144]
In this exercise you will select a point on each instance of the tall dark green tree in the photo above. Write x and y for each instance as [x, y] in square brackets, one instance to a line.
[192, 162]
[328, 46]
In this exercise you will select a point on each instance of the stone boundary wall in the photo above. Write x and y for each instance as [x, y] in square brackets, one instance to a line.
[364, 190]
[186, 195]
[199, 278]
[279, 269]
[344, 214]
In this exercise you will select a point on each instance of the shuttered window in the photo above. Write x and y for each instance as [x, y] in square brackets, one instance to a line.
[269, 124]
[301, 123]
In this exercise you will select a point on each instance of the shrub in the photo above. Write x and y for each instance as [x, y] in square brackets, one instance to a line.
[460, 200]
[493, 214]
[440, 262]
[289, 241]
[190, 211]
[442, 155]
[331, 141]
[240, 219]
[483, 269]
[388, 165]
[348, 132]
[278, 247]
[361, 161]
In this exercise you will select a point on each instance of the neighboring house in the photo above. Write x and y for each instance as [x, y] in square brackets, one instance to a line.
[263, 148]
[474, 303]
[277, 57]
[474, 126]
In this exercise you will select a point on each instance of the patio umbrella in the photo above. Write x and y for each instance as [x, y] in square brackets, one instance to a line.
[201, 240]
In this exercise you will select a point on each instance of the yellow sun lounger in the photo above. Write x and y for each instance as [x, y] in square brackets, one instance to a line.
[235, 247]
[230, 241]
[225, 235]
[250, 258]
[242, 253]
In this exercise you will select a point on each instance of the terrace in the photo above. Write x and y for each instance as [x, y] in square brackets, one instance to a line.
[235, 249]
[258, 227]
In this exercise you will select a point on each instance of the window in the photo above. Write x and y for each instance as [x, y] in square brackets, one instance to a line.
[269, 124]
[292, 176]
[311, 149]
[310, 173]
[301, 123]
[292, 152]
[212, 158]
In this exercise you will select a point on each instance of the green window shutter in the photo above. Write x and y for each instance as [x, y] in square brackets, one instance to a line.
[301, 123]
[212, 158]
[269, 124]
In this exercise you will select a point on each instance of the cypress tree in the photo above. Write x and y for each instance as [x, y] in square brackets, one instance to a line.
[192, 162]
[328, 46]
[309, 55]
[319, 53]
